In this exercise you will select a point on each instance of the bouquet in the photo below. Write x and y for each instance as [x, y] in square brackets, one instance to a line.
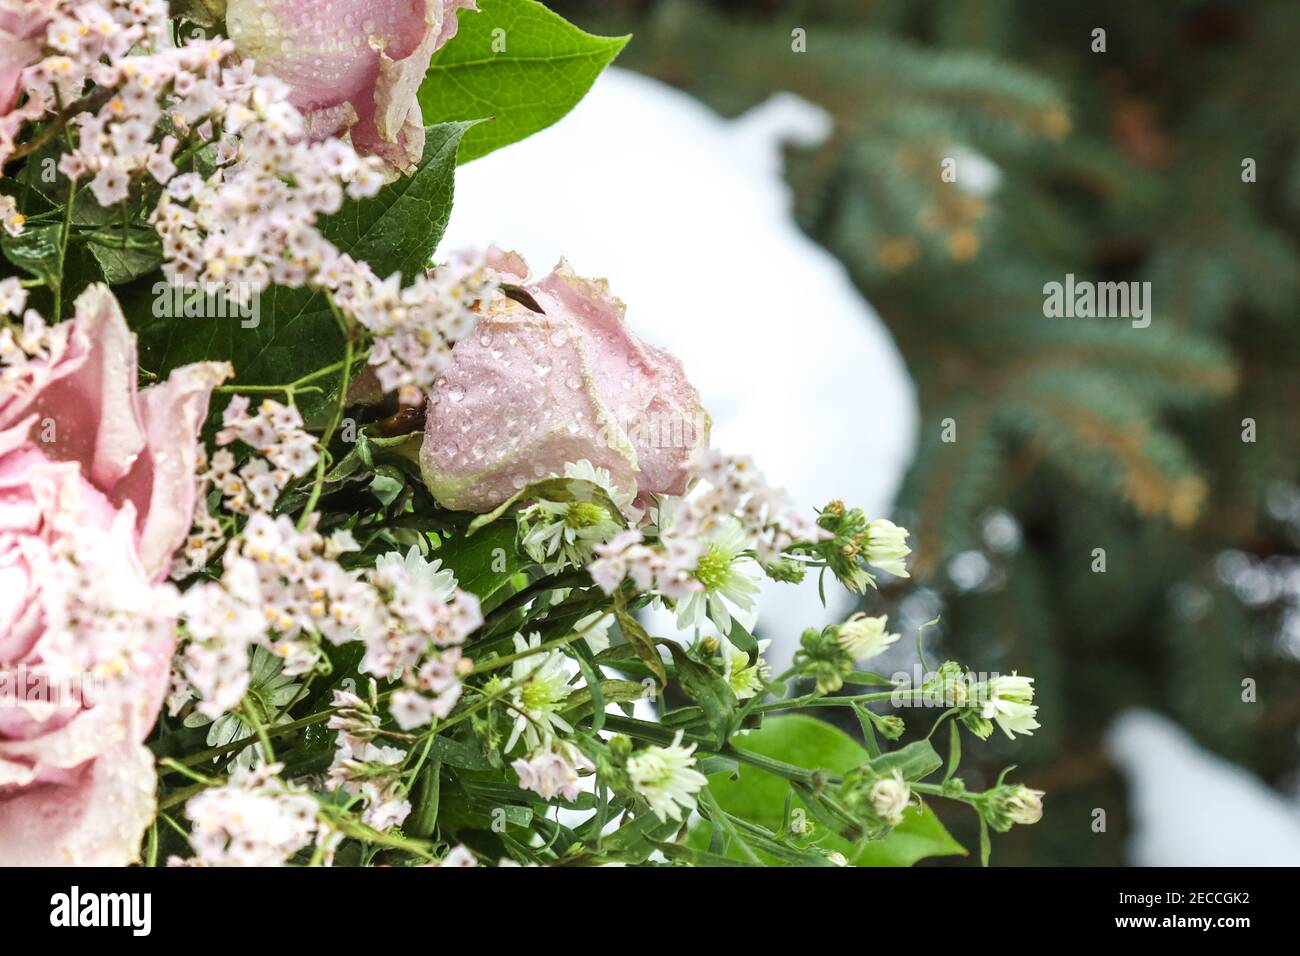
[315, 549]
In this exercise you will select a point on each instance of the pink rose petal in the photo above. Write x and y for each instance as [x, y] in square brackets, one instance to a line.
[95, 818]
[528, 392]
[359, 62]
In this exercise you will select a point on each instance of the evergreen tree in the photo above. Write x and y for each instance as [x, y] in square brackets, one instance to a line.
[1119, 511]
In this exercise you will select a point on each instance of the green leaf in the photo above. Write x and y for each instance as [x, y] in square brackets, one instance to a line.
[399, 229]
[914, 761]
[688, 854]
[425, 814]
[485, 562]
[707, 688]
[591, 698]
[36, 252]
[122, 265]
[742, 639]
[516, 63]
[954, 749]
[806, 742]
[295, 332]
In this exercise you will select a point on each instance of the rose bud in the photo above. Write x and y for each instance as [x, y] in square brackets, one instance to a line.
[351, 65]
[528, 392]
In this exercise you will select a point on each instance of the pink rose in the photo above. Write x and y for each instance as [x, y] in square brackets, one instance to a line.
[350, 64]
[528, 392]
[22, 28]
[96, 491]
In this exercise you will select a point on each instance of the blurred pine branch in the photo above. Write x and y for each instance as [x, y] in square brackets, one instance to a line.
[1118, 166]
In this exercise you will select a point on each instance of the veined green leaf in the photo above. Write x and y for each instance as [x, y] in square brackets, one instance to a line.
[516, 63]
[806, 742]
[484, 562]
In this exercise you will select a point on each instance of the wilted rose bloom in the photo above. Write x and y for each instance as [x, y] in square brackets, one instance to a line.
[528, 392]
[351, 65]
[96, 491]
[22, 25]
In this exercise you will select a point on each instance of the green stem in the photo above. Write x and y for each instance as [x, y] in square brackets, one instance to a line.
[513, 603]
[64, 233]
[816, 700]
[151, 851]
[499, 662]
[345, 378]
[180, 796]
[294, 386]
[947, 791]
[249, 711]
[776, 767]
[175, 826]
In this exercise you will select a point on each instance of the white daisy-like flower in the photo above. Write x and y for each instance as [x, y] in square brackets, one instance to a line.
[429, 577]
[744, 679]
[559, 534]
[1010, 704]
[543, 687]
[666, 777]
[720, 571]
[586, 471]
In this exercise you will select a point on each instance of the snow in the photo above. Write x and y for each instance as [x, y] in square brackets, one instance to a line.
[687, 216]
[1193, 808]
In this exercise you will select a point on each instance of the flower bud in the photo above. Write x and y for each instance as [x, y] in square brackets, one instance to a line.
[620, 748]
[862, 637]
[1009, 804]
[889, 798]
[351, 65]
[887, 547]
[529, 392]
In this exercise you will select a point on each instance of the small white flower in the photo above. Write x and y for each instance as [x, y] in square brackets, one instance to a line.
[459, 856]
[13, 297]
[544, 688]
[744, 679]
[666, 777]
[889, 798]
[1024, 806]
[10, 218]
[110, 185]
[1009, 704]
[887, 547]
[553, 771]
[725, 585]
[559, 534]
[254, 820]
[863, 637]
